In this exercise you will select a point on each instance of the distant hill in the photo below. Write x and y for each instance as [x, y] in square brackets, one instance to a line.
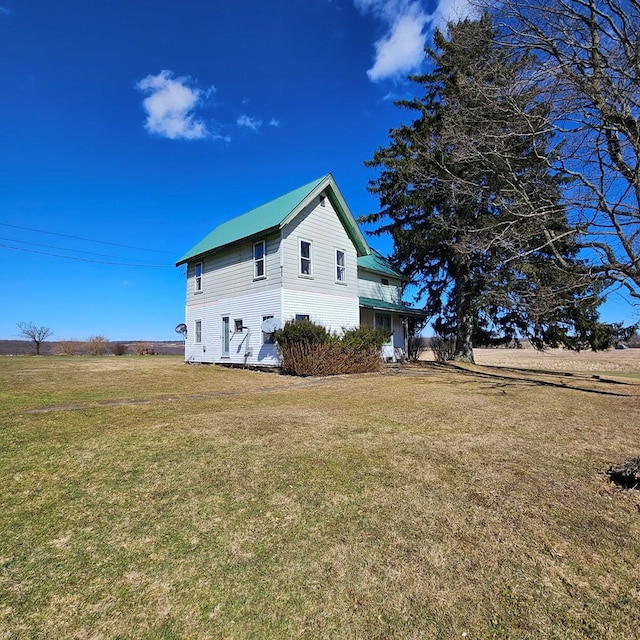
[120, 347]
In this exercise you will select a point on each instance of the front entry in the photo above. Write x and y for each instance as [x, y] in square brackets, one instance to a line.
[383, 321]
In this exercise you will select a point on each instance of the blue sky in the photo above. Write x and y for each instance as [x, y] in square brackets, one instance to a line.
[130, 129]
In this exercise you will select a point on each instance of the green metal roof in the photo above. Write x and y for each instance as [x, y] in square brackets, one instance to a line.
[383, 305]
[275, 214]
[377, 263]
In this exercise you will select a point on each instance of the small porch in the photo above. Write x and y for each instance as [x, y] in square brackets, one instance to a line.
[393, 318]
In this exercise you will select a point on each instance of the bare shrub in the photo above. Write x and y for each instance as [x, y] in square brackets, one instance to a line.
[144, 349]
[97, 345]
[415, 347]
[119, 348]
[308, 349]
[68, 347]
[328, 359]
[443, 347]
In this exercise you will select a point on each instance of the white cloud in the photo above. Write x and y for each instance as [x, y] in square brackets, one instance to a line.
[170, 106]
[274, 122]
[401, 50]
[5, 11]
[250, 123]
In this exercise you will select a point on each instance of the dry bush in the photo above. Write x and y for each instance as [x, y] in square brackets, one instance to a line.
[443, 347]
[308, 349]
[68, 347]
[119, 348]
[416, 346]
[144, 349]
[309, 359]
[97, 346]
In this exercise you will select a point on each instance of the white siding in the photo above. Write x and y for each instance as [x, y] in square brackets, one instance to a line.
[245, 347]
[322, 227]
[229, 272]
[370, 286]
[333, 312]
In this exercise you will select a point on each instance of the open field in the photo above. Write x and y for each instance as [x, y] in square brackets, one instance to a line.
[144, 498]
[626, 361]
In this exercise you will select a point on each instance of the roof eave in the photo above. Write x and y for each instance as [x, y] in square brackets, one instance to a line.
[393, 274]
[342, 209]
[191, 257]
[382, 305]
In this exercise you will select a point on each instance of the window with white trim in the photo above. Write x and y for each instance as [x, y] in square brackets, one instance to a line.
[198, 331]
[197, 280]
[302, 316]
[305, 258]
[341, 266]
[259, 265]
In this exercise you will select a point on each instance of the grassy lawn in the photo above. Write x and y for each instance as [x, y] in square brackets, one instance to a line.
[144, 498]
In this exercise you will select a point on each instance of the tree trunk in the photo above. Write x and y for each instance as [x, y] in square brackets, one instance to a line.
[464, 322]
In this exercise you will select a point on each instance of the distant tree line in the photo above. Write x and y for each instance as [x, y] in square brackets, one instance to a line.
[39, 339]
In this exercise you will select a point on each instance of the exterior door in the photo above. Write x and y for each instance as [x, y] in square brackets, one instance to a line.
[384, 321]
[225, 336]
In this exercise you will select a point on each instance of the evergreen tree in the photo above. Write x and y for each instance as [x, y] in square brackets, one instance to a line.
[475, 212]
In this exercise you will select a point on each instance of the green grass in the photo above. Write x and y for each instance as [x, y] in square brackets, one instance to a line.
[160, 500]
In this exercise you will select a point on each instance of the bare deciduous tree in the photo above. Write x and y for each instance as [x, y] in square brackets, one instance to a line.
[37, 335]
[589, 68]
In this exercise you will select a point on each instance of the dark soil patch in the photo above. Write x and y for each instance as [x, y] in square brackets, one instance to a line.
[626, 474]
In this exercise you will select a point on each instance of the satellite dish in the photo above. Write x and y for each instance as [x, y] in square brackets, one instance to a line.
[182, 328]
[270, 325]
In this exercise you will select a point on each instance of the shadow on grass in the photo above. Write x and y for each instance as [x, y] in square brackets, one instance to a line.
[536, 377]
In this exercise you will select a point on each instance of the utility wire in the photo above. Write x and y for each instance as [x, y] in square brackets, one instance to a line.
[91, 253]
[64, 235]
[117, 264]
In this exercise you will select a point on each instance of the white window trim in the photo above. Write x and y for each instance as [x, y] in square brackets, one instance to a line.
[310, 258]
[263, 260]
[198, 284]
[343, 266]
[197, 332]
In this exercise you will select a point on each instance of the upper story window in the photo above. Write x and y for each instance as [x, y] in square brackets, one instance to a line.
[305, 258]
[341, 266]
[197, 281]
[259, 270]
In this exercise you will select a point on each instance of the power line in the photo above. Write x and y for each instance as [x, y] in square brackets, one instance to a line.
[64, 235]
[90, 253]
[116, 264]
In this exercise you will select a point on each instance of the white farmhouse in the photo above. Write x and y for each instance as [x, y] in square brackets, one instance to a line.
[301, 255]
